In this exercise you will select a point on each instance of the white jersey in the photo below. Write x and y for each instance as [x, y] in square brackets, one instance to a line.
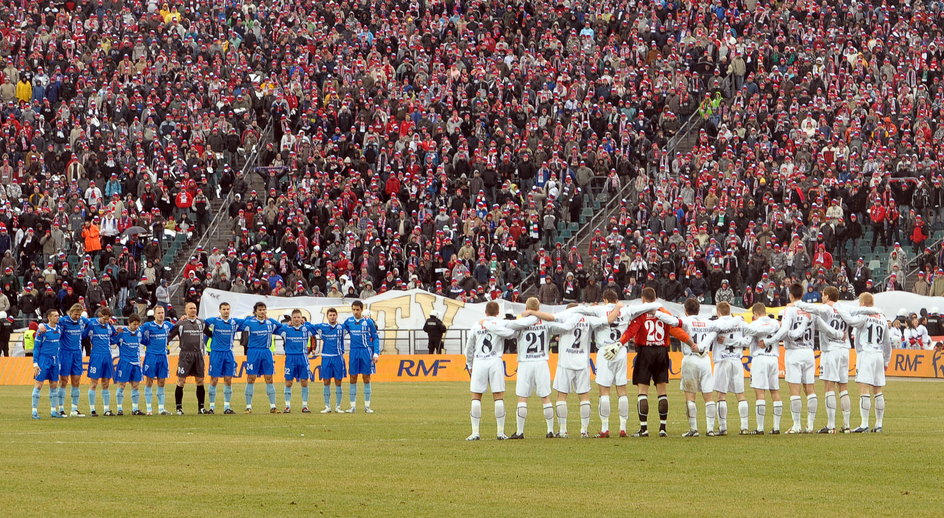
[609, 335]
[703, 331]
[729, 344]
[574, 345]
[831, 325]
[761, 329]
[918, 338]
[796, 329]
[871, 334]
[486, 341]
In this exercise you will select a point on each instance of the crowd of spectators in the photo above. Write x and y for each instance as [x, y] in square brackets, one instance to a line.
[441, 144]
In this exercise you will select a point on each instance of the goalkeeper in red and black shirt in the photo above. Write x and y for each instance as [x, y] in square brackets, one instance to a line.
[651, 334]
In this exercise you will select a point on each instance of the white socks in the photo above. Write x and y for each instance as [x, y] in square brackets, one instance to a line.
[846, 405]
[500, 416]
[562, 417]
[760, 411]
[812, 403]
[865, 406]
[722, 415]
[549, 417]
[879, 409]
[830, 410]
[743, 413]
[476, 415]
[692, 410]
[584, 416]
[711, 409]
[796, 403]
[604, 410]
[622, 405]
[522, 415]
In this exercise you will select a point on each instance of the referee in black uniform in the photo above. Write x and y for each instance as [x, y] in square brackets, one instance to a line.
[190, 363]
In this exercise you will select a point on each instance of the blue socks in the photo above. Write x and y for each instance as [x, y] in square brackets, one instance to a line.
[35, 398]
[91, 397]
[135, 396]
[120, 397]
[327, 396]
[304, 396]
[61, 397]
[270, 392]
[227, 395]
[288, 396]
[160, 397]
[106, 398]
[353, 393]
[75, 398]
[250, 389]
[366, 394]
[338, 393]
[148, 395]
[212, 396]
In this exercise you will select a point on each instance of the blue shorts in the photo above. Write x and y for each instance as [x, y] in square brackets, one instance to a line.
[259, 362]
[297, 367]
[332, 367]
[70, 363]
[48, 369]
[155, 366]
[100, 366]
[222, 364]
[360, 361]
[127, 372]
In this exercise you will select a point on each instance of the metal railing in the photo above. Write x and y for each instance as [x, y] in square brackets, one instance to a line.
[223, 213]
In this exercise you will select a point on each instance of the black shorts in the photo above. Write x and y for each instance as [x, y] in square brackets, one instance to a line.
[191, 364]
[651, 364]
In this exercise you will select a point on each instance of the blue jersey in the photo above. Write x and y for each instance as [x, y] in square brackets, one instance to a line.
[260, 331]
[129, 345]
[297, 338]
[154, 337]
[72, 332]
[100, 336]
[47, 344]
[224, 332]
[332, 338]
[362, 333]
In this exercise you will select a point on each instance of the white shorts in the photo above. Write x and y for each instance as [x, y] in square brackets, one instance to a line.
[487, 374]
[834, 366]
[572, 380]
[612, 372]
[870, 369]
[696, 373]
[765, 373]
[800, 366]
[729, 377]
[533, 378]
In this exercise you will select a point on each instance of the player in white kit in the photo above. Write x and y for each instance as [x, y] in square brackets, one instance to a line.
[573, 361]
[765, 366]
[729, 370]
[534, 375]
[483, 353]
[696, 365]
[796, 331]
[873, 352]
[611, 358]
[834, 356]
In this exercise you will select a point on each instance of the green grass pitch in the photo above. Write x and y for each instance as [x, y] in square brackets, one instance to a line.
[410, 459]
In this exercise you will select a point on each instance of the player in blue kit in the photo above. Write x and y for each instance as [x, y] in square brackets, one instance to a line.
[364, 352]
[221, 332]
[297, 335]
[72, 327]
[100, 368]
[154, 338]
[129, 342]
[259, 361]
[332, 358]
[46, 363]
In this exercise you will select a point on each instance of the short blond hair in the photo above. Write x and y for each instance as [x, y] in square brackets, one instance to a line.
[723, 309]
[532, 303]
[866, 299]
